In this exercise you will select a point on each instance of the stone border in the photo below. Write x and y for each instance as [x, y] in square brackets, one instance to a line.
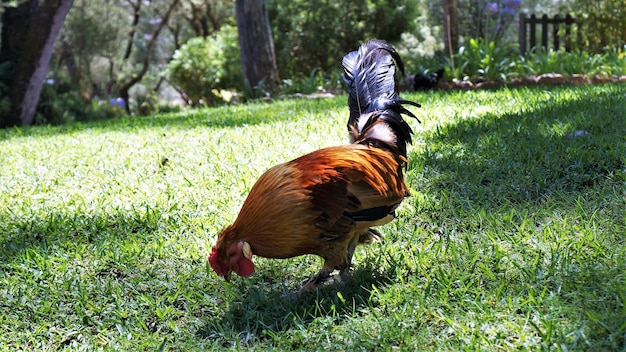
[544, 79]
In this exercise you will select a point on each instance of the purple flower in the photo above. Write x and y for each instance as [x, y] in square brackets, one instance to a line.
[118, 102]
[492, 8]
[510, 7]
[512, 4]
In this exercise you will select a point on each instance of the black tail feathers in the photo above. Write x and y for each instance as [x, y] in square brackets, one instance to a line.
[376, 109]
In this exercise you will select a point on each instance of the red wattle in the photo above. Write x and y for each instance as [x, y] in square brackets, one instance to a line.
[244, 268]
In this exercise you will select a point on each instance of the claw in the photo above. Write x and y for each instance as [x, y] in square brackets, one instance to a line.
[311, 284]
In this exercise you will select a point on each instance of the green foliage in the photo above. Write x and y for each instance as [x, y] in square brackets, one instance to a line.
[426, 64]
[542, 61]
[60, 102]
[480, 60]
[610, 62]
[316, 81]
[6, 75]
[311, 35]
[90, 31]
[203, 65]
[91, 45]
[512, 240]
[603, 23]
[485, 60]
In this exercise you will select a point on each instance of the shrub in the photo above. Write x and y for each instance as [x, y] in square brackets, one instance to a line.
[484, 60]
[315, 35]
[480, 60]
[610, 62]
[61, 102]
[203, 65]
[6, 74]
[316, 81]
[603, 22]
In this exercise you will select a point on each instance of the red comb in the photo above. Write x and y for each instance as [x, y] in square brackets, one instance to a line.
[216, 264]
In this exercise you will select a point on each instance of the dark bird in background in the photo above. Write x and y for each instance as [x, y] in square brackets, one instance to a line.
[325, 202]
[424, 82]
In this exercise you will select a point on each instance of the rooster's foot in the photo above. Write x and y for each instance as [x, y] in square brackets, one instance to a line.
[311, 284]
[344, 275]
[326, 278]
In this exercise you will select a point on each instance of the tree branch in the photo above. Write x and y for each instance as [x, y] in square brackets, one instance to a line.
[136, 78]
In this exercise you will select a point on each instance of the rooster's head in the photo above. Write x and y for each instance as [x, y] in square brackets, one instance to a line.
[237, 257]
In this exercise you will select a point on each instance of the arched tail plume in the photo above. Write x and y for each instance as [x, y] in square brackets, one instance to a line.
[376, 109]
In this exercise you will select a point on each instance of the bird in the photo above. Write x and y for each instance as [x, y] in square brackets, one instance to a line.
[327, 202]
[424, 82]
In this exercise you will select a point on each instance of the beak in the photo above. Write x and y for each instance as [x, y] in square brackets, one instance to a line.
[227, 276]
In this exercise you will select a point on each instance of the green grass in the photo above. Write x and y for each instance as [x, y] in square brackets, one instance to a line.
[513, 239]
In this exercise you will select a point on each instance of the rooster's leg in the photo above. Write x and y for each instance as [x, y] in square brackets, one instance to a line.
[345, 273]
[311, 284]
[341, 263]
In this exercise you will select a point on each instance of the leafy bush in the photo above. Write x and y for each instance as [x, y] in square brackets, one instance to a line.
[539, 61]
[610, 62]
[480, 60]
[6, 73]
[314, 82]
[203, 65]
[60, 102]
[484, 60]
[602, 21]
[314, 35]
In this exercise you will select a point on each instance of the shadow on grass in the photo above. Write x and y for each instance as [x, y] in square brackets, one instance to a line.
[563, 155]
[564, 144]
[60, 230]
[264, 312]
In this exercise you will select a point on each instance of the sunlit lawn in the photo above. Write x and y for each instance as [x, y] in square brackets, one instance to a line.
[513, 238]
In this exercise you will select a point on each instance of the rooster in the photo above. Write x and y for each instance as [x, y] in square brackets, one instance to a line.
[324, 203]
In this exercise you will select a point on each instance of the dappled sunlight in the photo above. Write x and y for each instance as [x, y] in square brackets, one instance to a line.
[512, 238]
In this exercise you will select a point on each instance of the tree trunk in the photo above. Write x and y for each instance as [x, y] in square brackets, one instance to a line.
[258, 60]
[450, 26]
[32, 62]
[131, 35]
